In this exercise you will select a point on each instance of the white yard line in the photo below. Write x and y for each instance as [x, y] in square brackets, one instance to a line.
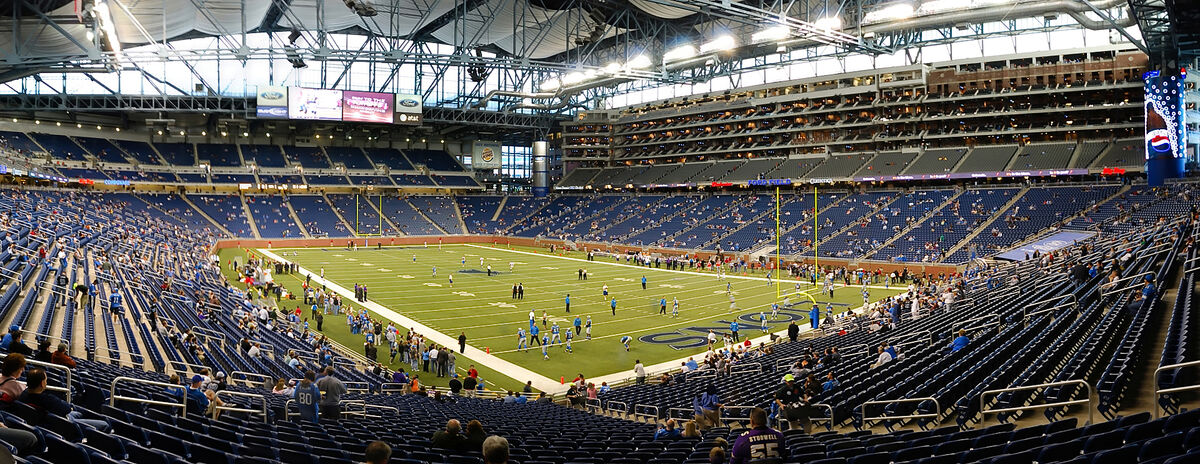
[514, 371]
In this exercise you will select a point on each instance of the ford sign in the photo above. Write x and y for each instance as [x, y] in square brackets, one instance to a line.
[272, 95]
[409, 102]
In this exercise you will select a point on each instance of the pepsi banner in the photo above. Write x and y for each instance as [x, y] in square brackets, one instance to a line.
[1165, 127]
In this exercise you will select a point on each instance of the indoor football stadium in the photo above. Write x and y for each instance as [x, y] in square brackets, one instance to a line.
[599, 231]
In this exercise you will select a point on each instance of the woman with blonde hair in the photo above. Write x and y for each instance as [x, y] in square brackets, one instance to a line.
[690, 430]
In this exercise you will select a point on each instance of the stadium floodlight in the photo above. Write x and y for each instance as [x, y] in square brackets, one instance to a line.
[612, 68]
[890, 13]
[718, 44]
[79, 125]
[941, 6]
[639, 62]
[104, 23]
[97, 127]
[202, 133]
[550, 85]
[682, 52]
[831, 23]
[771, 34]
[573, 78]
[58, 123]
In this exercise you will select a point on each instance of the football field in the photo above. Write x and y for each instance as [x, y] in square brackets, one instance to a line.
[404, 280]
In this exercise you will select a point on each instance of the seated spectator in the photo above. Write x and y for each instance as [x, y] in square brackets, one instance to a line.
[377, 452]
[450, 438]
[755, 443]
[13, 368]
[511, 398]
[37, 397]
[542, 398]
[13, 343]
[884, 358]
[61, 357]
[716, 455]
[475, 436]
[495, 450]
[667, 431]
[690, 430]
[959, 342]
[43, 353]
[174, 391]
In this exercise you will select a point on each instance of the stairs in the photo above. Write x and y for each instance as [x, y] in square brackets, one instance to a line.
[615, 222]
[499, 209]
[458, 215]
[206, 216]
[918, 223]
[984, 226]
[685, 230]
[333, 208]
[296, 218]
[962, 159]
[249, 216]
[385, 219]
[422, 213]
[1075, 154]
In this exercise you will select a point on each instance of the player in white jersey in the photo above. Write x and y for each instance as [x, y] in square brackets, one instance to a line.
[480, 261]
[414, 257]
[464, 262]
[674, 307]
[510, 266]
[451, 277]
[625, 341]
[587, 330]
[763, 317]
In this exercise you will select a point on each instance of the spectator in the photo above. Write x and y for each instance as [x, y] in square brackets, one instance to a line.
[43, 353]
[792, 401]
[639, 372]
[667, 431]
[307, 397]
[332, 390]
[690, 430]
[756, 443]
[377, 452]
[495, 450]
[450, 438]
[13, 368]
[512, 396]
[61, 357]
[468, 385]
[206, 400]
[830, 383]
[884, 358]
[14, 344]
[959, 342]
[707, 407]
[716, 455]
[455, 385]
[37, 397]
[177, 392]
[542, 398]
[8, 338]
[793, 331]
[475, 436]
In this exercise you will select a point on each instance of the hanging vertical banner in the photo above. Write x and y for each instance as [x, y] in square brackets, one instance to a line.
[485, 155]
[272, 102]
[1165, 125]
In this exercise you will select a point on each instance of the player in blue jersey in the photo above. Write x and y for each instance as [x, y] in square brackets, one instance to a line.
[625, 341]
[554, 334]
[774, 311]
[521, 340]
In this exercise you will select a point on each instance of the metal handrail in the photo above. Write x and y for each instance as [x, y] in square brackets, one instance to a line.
[624, 407]
[936, 416]
[645, 408]
[263, 377]
[395, 411]
[1025, 316]
[745, 367]
[357, 387]
[819, 419]
[389, 387]
[1162, 391]
[1123, 289]
[1057, 298]
[594, 405]
[196, 368]
[688, 413]
[1091, 398]
[113, 397]
[263, 411]
[57, 367]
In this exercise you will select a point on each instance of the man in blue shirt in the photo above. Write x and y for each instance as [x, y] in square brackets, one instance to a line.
[614, 306]
[643, 282]
[533, 332]
[196, 395]
[959, 342]
[814, 317]
[733, 327]
[307, 396]
[567, 300]
[662, 305]
[578, 325]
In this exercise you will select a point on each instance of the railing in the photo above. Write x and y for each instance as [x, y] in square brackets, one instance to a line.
[393, 387]
[58, 367]
[680, 413]
[246, 376]
[745, 368]
[643, 410]
[594, 406]
[357, 387]
[984, 411]
[1074, 301]
[113, 397]
[619, 406]
[936, 415]
[1163, 391]
[263, 399]
[831, 422]
[194, 368]
[347, 411]
[1123, 289]
[736, 413]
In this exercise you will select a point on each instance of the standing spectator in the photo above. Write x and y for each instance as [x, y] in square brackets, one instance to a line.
[462, 342]
[793, 331]
[639, 372]
[455, 385]
[468, 385]
[332, 390]
[790, 399]
[377, 452]
[760, 442]
[707, 407]
[495, 450]
[307, 396]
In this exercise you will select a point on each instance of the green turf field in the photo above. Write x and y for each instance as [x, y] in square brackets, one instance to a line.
[484, 309]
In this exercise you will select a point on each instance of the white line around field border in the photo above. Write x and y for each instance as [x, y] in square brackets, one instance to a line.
[510, 369]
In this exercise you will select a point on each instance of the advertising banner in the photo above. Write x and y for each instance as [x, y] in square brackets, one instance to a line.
[408, 109]
[485, 155]
[272, 102]
[1047, 244]
[314, 104]
[367, 107]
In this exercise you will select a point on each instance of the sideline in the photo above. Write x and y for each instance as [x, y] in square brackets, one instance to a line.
[510, 369]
